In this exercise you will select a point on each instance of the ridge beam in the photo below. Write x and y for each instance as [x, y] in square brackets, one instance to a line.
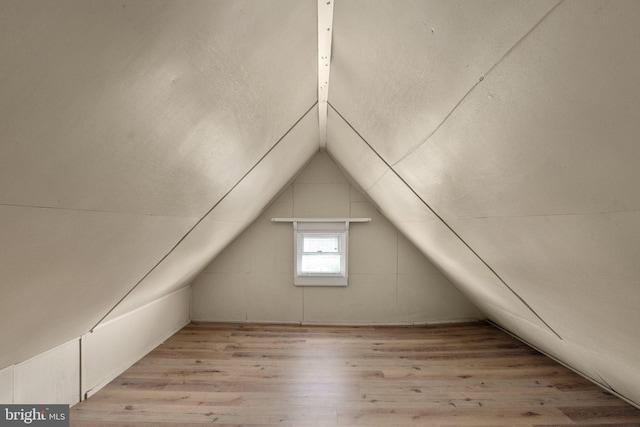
[325, 31]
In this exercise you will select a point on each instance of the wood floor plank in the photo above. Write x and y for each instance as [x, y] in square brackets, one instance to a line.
[467, 375]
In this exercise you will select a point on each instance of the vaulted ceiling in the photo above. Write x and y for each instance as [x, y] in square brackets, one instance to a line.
[139, 138]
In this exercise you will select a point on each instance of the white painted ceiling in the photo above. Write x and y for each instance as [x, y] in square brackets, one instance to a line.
[138, 138]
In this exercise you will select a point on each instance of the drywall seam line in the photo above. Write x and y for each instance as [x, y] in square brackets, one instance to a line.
[445, 223]
[204, 216]
[325, 32]
[99, 211]
[377, 181]
[80, 368]
[545, 215]
[455, 107]
[606, 384]
[397, 264]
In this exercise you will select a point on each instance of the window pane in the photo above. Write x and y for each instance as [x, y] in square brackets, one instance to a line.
[320, 264]
[321, 243]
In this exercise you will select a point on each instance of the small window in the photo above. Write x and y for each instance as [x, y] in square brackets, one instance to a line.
[321, 254]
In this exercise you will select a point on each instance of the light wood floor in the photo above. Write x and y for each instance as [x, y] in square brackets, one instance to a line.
[264, 375]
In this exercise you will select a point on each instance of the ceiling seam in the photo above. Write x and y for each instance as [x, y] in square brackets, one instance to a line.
[455, 107]
[390, 167]
[99, 211]
[551, 214]
[204, 216]
[377, 180]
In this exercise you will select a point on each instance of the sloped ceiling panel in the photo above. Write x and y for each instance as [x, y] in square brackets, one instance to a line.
[230, 217]
[548, 146]
[531, 158]
[58, 267]
[163, 94]
[421, 226]
[121, 125]
[555, 120]
[400, 68]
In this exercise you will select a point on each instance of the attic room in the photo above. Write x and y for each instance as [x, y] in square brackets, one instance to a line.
[476, 161]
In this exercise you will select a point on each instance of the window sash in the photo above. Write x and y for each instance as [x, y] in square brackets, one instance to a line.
[321, 254]
[321, 243]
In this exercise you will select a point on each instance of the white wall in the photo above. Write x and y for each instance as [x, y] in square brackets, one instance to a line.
[50, 377]
[66, 373]
[390, 282]
[116, 345]
[6, 385]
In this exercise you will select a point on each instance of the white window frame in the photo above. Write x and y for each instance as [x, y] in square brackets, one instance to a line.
[339, 229]
[330, 227]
